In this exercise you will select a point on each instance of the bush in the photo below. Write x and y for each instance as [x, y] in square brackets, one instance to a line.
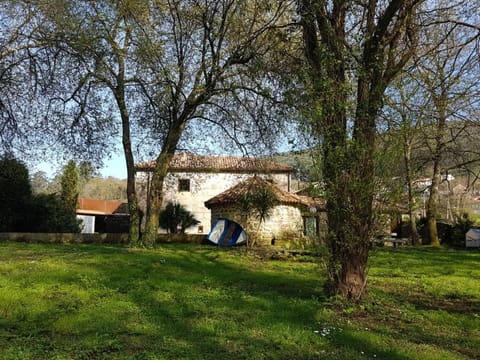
[20, 211]
[49, 214]
[175, 216]
[462, 224]
[15, 195]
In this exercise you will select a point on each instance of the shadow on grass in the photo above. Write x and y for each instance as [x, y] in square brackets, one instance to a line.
[203, 306]
[104, 302]
[108, 302]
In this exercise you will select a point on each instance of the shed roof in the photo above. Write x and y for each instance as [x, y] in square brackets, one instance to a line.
[254, 184]
[101, 207]
[203, 163]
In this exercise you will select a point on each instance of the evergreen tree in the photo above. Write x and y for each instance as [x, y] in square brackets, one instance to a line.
[70, 187]
[15, 195]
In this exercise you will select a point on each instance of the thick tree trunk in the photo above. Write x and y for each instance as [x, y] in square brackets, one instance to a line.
[156, 186]
[156, 198]
[348, 164]
[353, 277]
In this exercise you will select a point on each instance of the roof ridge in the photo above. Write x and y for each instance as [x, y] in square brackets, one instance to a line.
[190, 161]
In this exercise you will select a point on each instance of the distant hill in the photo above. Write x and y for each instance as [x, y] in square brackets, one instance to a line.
[302, 162]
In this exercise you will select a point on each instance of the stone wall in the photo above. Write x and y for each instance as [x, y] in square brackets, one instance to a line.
[284, 224]
[105, 238]
[203, 186]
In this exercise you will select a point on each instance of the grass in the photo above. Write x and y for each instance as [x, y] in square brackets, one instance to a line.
[200, 302]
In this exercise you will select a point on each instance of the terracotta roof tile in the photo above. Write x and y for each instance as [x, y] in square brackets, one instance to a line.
[194, 162]
[255, 183]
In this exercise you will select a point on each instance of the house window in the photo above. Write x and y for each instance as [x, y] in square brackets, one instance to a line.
[184, 185]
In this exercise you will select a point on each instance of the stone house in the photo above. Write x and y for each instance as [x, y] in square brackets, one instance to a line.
[285, 221]
[193, 179]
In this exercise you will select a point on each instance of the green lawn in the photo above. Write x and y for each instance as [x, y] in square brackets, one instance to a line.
[200, 302]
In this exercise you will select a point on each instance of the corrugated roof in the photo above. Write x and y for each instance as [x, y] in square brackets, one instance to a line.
[101, 207]
[251, 185]
[202, 163]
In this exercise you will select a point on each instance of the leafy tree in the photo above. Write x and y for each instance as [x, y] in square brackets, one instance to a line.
[199, 58]
[403, 123]
[433, 107]
[175, 216]
[70, 186]
[15, 195]
[98, 39]
[105, 188]
[182, 56]
[257, 202]
[40, 182]
[17, 67]
[354, 51]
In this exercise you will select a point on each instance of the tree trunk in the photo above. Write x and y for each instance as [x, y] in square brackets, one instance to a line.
[156, 186]
[134, 211]
[156, 198]
[436, 178]
[348, 163]
[353, 276]
[432, 207]
[407, 156]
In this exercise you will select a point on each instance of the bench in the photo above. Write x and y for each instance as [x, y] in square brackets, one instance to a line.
[396, 241]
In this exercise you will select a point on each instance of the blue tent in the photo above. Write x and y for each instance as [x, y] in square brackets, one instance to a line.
[226, 232]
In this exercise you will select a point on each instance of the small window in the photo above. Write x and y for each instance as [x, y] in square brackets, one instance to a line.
[184, 185]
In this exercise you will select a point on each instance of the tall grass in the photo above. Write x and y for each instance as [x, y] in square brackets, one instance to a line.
[201, 302]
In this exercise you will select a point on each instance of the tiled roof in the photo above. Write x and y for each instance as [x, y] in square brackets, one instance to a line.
[201, 163]
[251, 185]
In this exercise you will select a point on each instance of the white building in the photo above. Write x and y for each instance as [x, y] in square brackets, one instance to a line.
[193, 179]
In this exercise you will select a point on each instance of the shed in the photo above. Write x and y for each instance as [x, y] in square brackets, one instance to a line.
[285, 220]
[103, 216]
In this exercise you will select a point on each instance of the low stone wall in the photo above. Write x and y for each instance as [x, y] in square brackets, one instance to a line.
[68, 238]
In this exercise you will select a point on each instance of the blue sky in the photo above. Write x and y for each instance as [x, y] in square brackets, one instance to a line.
[115, 167]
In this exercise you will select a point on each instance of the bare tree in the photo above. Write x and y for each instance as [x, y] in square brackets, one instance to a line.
[448, 75]
[404, 122]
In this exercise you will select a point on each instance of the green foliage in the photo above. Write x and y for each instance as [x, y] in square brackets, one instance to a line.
[258, 201]
[49, 215]
[305, 163]
[70, 186]
[105, 188]
[15, 194]
[175, 216]
[22, 211]
[462, 224]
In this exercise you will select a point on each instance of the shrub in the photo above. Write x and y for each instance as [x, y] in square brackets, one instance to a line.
[49, 214]
[15, 195]
[175, 216]
[462, 224]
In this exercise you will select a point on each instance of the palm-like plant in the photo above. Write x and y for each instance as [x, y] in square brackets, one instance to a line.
[176, 219]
